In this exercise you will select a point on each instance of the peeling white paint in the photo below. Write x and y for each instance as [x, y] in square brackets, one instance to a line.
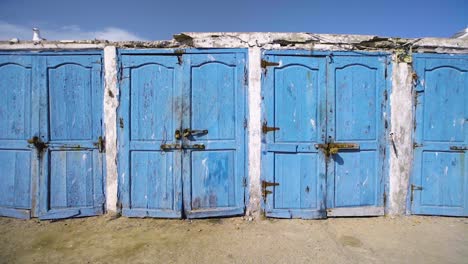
[312, 123]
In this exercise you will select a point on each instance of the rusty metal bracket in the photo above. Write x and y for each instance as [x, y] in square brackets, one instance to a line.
[265, 185]
[266, 129]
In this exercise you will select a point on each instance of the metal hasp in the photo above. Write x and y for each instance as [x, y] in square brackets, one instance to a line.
[101, 144]
[266, 129]
[189, 132]
[265, 185]
[38, 143]
[334, 148]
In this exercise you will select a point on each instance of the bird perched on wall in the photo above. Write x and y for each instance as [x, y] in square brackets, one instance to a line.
[37, 36]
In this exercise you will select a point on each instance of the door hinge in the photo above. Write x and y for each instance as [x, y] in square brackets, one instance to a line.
[244, 182]
[246, 77]
[101, 144]
[265, 185]
[414, 188]
[266, 129]
[265, 63]
[245, 123]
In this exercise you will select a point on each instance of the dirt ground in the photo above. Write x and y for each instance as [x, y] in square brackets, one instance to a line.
[235, 240]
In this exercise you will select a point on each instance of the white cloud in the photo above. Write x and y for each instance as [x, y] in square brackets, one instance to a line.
[69, 32]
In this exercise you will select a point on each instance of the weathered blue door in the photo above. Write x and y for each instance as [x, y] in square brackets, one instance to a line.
[182, 135]
[71, 181]
[293, 168]
[440, 177]
[323, 146]
[51, 135]
[150, 113]
[18, 123]
[356, 103]
[214, 158]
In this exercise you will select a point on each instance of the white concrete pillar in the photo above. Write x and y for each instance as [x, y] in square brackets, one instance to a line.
[401, 127]
[254, 131]
[111, 95]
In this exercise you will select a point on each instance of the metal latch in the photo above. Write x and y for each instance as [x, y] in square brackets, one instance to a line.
[194, 146]
[170, 146]
[166, 147]
[334, 148]
[38, 143]
[265, 185]
[458, 148]
[266, 129]
[101, 144]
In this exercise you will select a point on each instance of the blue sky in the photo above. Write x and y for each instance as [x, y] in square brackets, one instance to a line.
[156, 20]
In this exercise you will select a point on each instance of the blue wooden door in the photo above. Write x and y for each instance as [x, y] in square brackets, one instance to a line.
[323, 151]
[440, 177]
[214, 153]
[71, 181]
[182, 135]
[294, 123]
[18, 123]
[356, 102]
[149, 114]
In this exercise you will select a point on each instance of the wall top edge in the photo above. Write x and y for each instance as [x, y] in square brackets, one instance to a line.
[265, 40]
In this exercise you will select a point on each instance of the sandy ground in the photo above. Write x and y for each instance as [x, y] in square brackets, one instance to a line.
[235, 240]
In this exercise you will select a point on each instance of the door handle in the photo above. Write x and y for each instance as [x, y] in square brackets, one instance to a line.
[177, 135]
[189, 132]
